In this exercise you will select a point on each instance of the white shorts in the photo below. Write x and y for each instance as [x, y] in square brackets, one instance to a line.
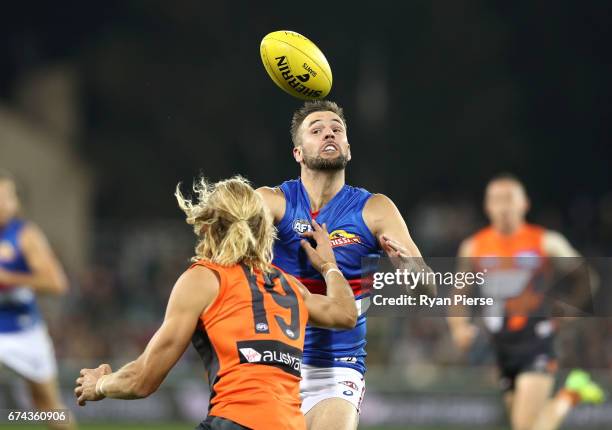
[29, 353]
[321, 383]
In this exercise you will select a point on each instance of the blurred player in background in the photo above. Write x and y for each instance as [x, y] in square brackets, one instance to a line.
[245, 317]
[361, 224]
[28, 267]
[523, 344]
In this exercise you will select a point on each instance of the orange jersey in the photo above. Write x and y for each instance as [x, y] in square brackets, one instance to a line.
[512, 263]
[526, 241]
[251, 339]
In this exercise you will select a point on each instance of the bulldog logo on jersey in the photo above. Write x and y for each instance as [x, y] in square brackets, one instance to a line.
[342, 237]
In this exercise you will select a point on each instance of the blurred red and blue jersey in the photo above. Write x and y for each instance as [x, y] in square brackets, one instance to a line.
[18, 309]
[353, 243]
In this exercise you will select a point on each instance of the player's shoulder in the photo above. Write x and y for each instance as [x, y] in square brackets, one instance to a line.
[555, 244]
[274, 199]
[270, 192]
[379, 203]
[195, 289]
[201, 273]
[377, 209]
[30, 232]
[466, 247]
[16, 225]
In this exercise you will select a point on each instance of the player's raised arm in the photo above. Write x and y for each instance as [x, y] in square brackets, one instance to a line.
[47, 274]
[337, 308]
[191, 295]
[387, 224]
[274, 200]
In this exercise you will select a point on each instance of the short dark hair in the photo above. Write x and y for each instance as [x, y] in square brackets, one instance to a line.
[309, 107]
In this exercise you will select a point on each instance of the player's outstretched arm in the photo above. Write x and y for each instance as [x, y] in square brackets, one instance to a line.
[191, 295]
[387, 224]
[47, 274]
[337, 308]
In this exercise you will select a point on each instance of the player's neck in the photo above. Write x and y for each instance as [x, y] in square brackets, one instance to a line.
[321, 187]
[506, 230]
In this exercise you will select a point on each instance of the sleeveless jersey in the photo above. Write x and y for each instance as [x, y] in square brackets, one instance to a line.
[18, 309]
[251, 340]
[352, 241]
[515, 264]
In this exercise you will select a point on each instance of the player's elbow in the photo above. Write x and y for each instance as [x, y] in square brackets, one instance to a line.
[142, 386]
[61, 287]
[57, 284]
[347, 319]
[143, 389]
[349, 322]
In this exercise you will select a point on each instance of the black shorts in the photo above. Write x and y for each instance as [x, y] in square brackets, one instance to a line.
[536, 355]
[218, 423]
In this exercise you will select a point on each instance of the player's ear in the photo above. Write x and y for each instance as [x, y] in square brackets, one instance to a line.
[297, 153]
[348, 157]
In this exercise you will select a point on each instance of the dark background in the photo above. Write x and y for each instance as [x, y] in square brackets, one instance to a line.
[439, 96]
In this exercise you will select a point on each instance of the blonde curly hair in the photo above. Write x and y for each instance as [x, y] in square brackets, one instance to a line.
[231, 221]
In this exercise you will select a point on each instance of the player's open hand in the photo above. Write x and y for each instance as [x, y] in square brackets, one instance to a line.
[86, 384]
[323, 253]
[392, 247]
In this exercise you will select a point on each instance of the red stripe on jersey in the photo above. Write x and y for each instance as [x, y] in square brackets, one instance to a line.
[317, 286]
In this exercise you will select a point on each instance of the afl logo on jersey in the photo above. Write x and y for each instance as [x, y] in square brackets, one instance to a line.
[301, 226]
[7, 252]
[342, 237]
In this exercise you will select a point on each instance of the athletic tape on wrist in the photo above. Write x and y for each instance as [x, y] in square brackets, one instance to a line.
[333, 269]
[100, 386]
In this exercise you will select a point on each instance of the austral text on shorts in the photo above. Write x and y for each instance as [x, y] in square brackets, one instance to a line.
[425, 300]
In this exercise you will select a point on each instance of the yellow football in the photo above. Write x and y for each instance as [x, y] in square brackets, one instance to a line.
[296, 65]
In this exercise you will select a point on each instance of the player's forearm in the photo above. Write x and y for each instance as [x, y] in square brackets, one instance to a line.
[337, 285]
[339, 290]
[38, 282]
[126, 383]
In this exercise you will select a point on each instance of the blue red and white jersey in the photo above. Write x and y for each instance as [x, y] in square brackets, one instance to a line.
[18, 309]
[352, 242]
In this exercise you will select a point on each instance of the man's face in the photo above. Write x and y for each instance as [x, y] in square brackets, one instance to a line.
[506, 204]
[323, 144]
[8, 201]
